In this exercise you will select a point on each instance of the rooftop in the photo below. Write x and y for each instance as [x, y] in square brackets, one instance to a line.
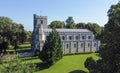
[68, 30]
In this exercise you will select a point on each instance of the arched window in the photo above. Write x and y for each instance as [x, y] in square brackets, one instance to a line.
[67, 46]
[83, 37]
[41, 22]
[89, 37]
[95, 44]
[70, 37]
[75, 45]
[82, 44]
[63, 37]
[88, 44]
[76, 37]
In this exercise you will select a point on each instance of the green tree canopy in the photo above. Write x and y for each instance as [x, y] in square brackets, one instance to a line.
[70, 23]
[94, 27]
[11, 33]
[57, 24]
[110, 51]
[52, 49]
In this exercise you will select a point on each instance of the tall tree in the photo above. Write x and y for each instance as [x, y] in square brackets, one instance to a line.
[94, 27]
[70, 23]
[110, 51]
[10, 33]
[52, 49]
[81, 25]
[57, 24]
[28, 36]
[5, 28]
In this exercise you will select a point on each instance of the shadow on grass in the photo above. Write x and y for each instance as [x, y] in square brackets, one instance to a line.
[29, 58]
[77, 53]
[24, 47]
[41, 66]
[78, 71]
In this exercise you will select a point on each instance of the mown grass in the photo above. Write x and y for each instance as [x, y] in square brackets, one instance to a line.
[68, 64]
[20, 48]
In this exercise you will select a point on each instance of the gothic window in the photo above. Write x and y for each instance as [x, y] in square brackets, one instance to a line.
[76, 37]
[63, 37]
[83, 37]
[95, 44]
[89, 37]
[70, 37]
[41, 21]
[75, 45]
[82, 44]
[88, 44]
[67, 46]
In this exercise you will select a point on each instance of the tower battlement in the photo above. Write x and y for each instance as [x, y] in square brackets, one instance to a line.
[40, 20]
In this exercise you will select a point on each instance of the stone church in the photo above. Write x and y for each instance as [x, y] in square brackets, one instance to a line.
[73, 40]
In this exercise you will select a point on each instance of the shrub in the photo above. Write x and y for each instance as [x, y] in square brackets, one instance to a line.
[16, 66]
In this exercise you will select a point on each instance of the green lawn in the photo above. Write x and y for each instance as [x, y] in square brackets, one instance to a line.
[68, 64]
[20, 48]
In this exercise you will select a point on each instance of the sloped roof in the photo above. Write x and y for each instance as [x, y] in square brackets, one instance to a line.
[68, 30]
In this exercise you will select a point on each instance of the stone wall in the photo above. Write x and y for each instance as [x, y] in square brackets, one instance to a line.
[71, 44]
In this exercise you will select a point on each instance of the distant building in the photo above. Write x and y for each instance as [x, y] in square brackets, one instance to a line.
[73, 40]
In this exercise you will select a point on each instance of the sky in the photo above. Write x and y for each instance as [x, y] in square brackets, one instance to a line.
[21, 11]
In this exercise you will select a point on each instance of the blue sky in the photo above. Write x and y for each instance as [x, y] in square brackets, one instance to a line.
[21, 11]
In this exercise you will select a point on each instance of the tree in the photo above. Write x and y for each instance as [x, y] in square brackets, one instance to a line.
[52, 49]
[80, 25]
[28, 36]
[90, 64]
[10, 33]
[22, 33]
[94, 27]
[57, 24]
[70, 23]
[5, 28]
[110, 51]
[18, 35]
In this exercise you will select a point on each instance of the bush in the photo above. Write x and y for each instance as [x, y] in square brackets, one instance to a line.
[16, 66]
[90, 64]
[37, 52]
[1, 60]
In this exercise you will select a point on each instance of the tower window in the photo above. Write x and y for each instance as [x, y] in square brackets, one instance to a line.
[41, 21]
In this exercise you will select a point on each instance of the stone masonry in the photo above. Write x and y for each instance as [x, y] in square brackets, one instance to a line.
[73, 40]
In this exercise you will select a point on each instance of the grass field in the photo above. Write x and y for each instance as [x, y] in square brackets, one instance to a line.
[20, 48]
[68, 64]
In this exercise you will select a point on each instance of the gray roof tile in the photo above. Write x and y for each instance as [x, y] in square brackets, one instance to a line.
[68, 30]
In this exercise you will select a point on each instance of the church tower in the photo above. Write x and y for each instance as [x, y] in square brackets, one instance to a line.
[40, 23]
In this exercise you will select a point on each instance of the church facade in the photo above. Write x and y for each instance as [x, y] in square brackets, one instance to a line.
[73, 40]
